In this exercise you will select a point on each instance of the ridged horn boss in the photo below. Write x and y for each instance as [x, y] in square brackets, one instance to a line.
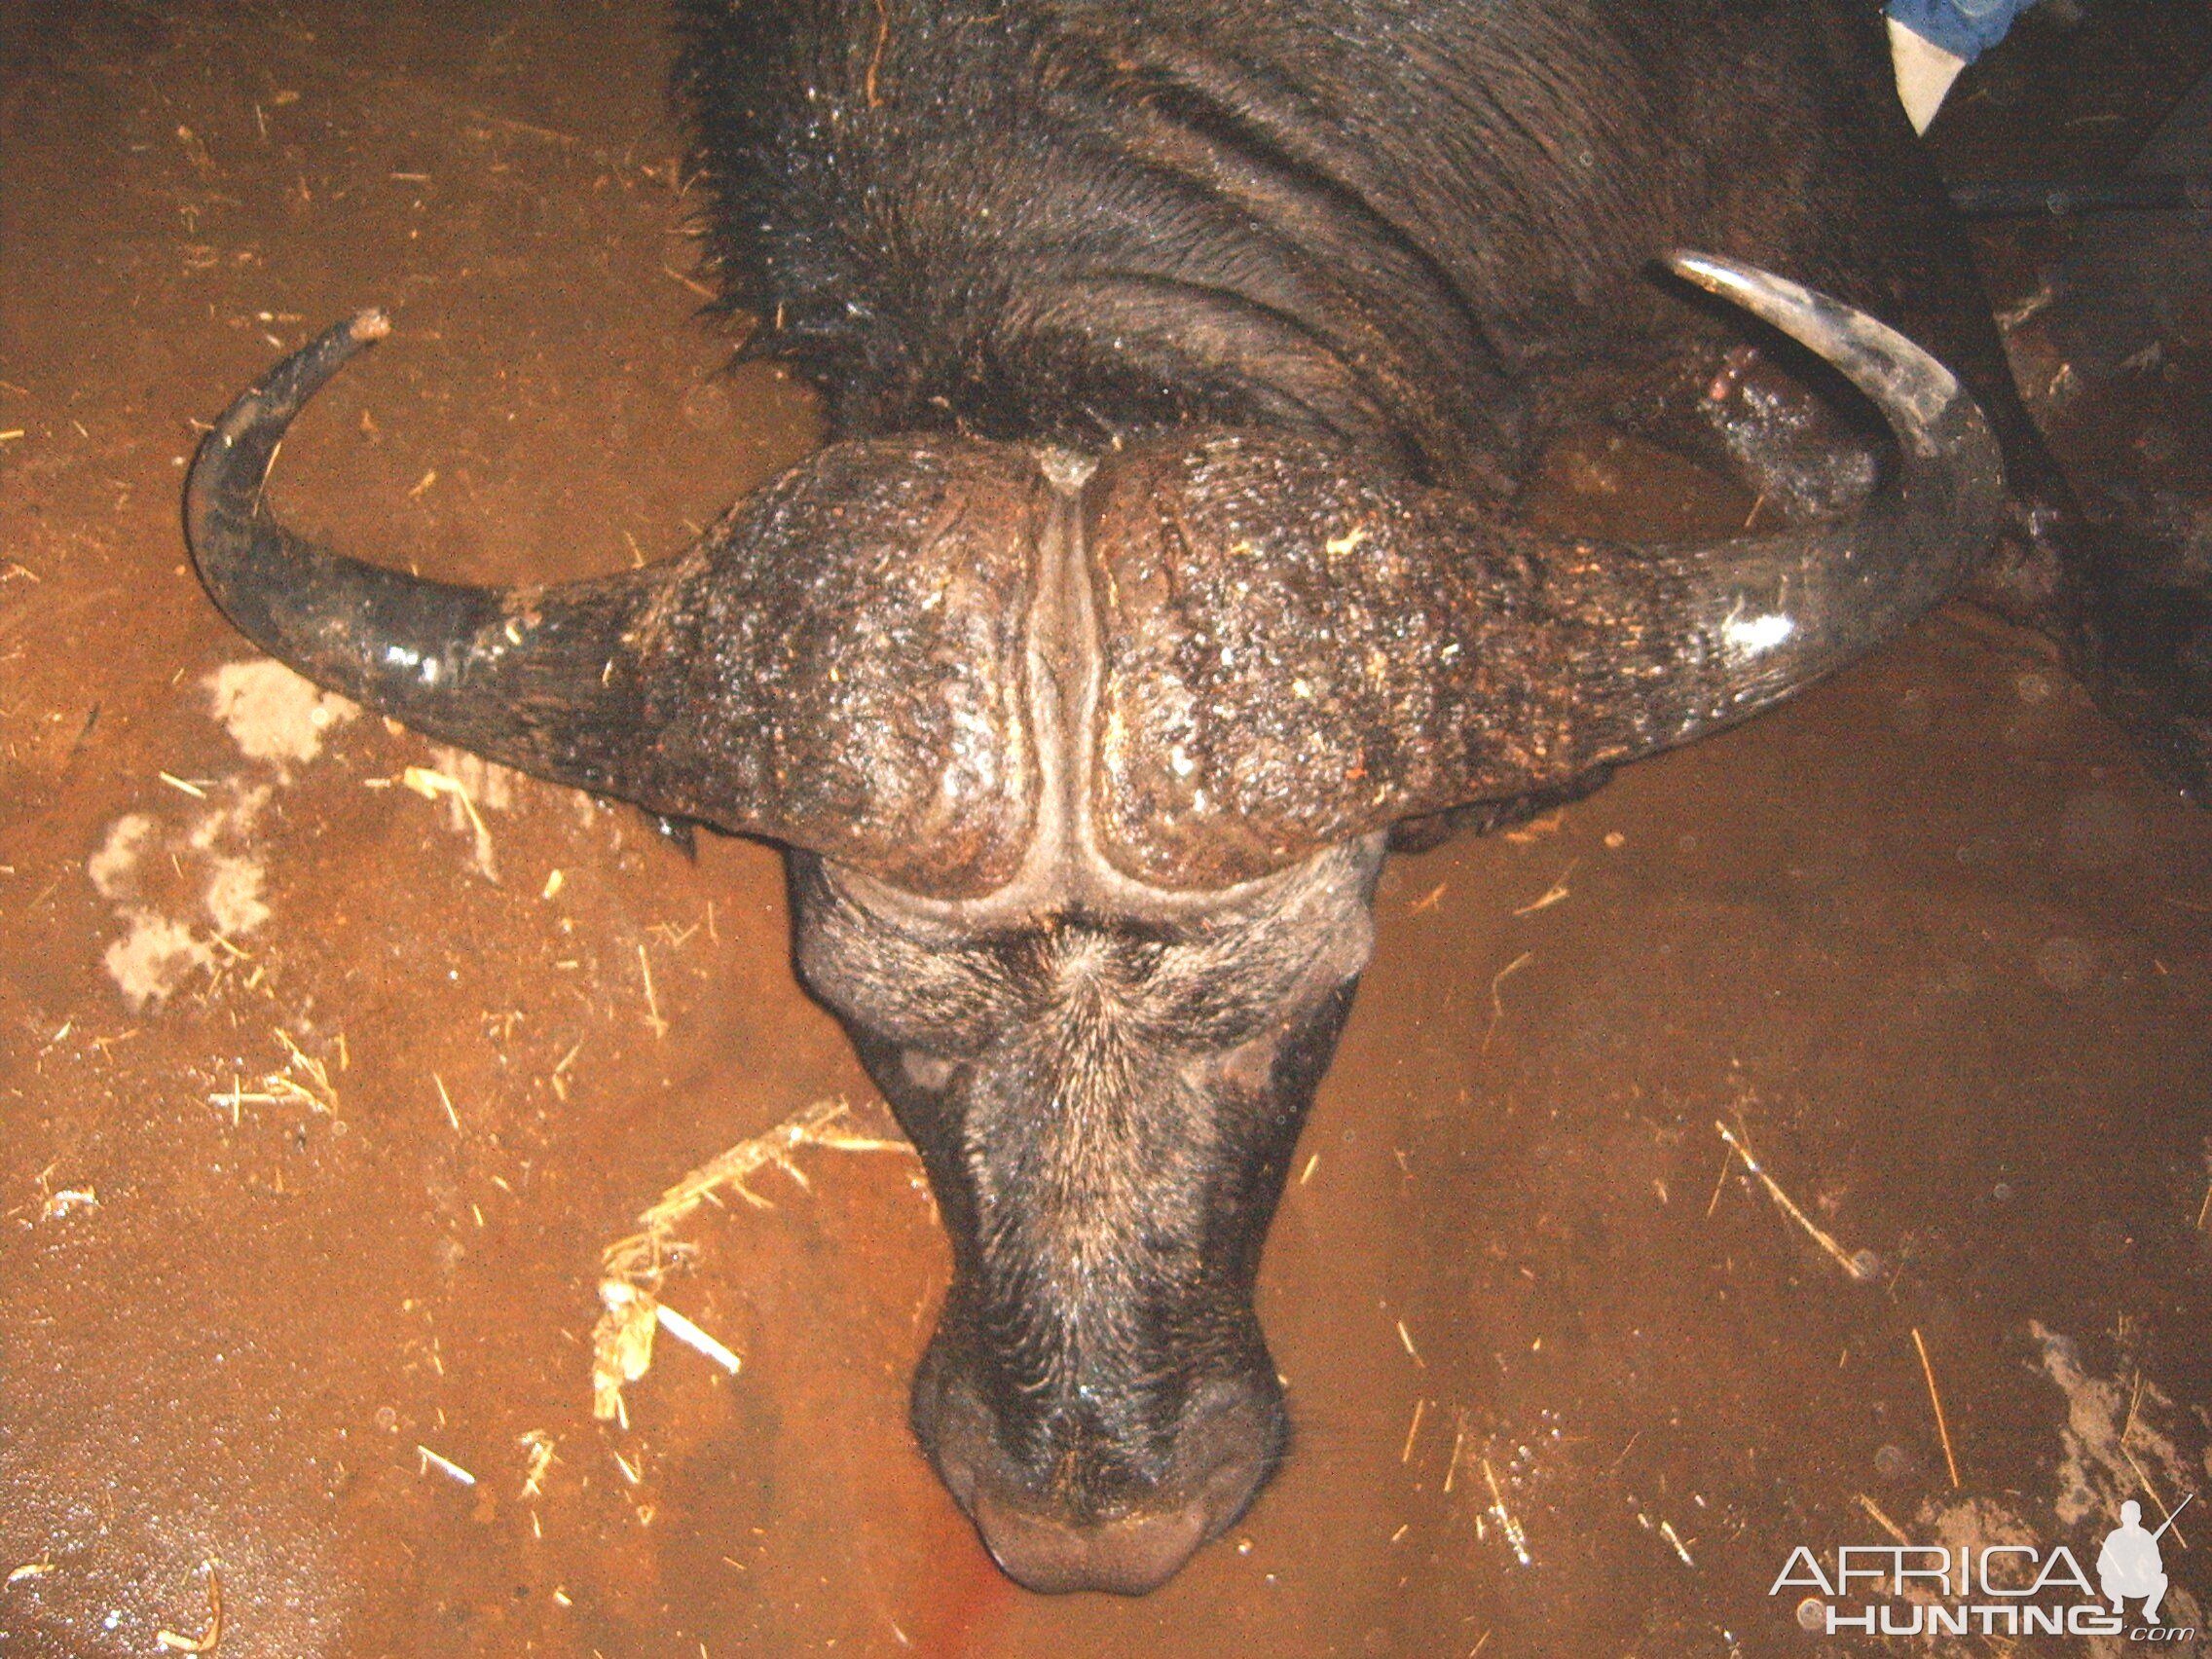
[1281, 650]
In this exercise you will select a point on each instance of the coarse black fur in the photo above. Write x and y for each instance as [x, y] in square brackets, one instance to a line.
[1419, 230]
[1424, 231]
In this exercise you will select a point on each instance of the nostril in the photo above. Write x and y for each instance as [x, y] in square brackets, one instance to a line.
[1094, 1513]
[1126, 1556]
[925, 1070]
[1044, 1545]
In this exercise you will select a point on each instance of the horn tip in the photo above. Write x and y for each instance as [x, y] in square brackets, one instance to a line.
[1717, 275]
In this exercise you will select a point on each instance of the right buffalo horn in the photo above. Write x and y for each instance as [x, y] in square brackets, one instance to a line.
[840, 663]
[1297, 655]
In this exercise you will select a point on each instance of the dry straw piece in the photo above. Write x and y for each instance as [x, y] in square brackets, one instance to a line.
[632, 1270]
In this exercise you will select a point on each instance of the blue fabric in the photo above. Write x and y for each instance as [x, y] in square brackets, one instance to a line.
[1965, 28]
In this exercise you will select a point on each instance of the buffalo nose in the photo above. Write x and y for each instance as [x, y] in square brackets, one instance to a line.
[1223, 1456]
[1112, 1514]
[1127, 1556]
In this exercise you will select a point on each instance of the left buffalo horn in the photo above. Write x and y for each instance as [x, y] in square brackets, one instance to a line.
[1297, 652]
[839, 664]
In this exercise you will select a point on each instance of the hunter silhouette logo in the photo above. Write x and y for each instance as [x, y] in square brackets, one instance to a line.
[2129, 1564]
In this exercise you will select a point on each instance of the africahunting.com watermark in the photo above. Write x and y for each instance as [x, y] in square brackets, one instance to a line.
[2007, 1590]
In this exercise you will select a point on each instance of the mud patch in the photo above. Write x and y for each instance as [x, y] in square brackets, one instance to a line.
[2112, 1444]
[186, 893]
[1498, 1259]
[154, 958]
[112, 867]
[182, 894]
[272, 714]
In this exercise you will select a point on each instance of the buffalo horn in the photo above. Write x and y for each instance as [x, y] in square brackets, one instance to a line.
[839, 664]
[1297, 652]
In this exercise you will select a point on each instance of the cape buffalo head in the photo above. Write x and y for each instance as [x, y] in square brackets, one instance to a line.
[1086, 767]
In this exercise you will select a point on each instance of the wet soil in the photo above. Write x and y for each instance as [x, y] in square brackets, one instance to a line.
[319, 1098]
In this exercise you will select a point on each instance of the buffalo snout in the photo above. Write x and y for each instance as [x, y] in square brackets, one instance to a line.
[1090, 1510]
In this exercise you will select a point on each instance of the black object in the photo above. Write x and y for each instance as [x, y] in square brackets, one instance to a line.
[2120, 193]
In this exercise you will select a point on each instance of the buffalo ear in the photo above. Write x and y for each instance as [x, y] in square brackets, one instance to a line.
[1297, 652]
[1488, 817]
[840, 663]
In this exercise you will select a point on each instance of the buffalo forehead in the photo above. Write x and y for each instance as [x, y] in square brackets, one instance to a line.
[1293, 658]
[852, 649]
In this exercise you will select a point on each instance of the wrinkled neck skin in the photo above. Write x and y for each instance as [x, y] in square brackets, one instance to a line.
[1105, 1081]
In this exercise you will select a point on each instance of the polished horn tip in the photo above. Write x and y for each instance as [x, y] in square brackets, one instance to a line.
[1915, 392]
[225, 482]
[1718, 276]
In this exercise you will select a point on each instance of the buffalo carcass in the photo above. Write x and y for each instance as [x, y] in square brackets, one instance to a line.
[1180, 362]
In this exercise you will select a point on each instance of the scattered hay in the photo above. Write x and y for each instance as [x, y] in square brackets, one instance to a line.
[311, 1087]
[1862, 1265]
[537, 1449]
[1497, 1003]
[1558, 892]
[445, 1466]
[632, 1270]
[209, 1638]
[1515, 1536]
[461, 802]
[1942, 1427]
